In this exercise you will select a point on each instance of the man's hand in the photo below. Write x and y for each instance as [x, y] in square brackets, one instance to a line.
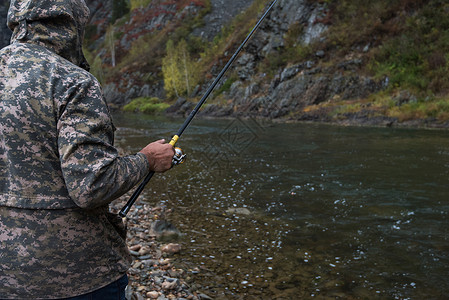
[159, 155]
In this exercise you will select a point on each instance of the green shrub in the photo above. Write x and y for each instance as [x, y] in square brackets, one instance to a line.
[146, 105]
[226, 86]
[437, 109]
[415, 59]
[139, 3]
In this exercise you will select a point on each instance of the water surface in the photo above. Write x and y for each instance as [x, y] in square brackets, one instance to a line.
[336, 212]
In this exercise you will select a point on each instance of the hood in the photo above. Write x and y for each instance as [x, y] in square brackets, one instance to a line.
[55, 24]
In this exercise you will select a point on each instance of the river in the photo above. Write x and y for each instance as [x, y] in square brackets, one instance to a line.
[304, 211]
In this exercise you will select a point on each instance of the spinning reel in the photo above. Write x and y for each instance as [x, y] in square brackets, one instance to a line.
[179, 157]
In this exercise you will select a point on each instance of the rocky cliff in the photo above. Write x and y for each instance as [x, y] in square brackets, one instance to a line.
[296, 86]
[222, 11]
[347, 61]
[245, 93]
[285, 93]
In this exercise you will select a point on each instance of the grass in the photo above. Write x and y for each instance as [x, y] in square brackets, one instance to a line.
[416, 59]
[407, 42]
[152, 105]
[135, 4]
[383, 104]
[226, 86]
[436, 109]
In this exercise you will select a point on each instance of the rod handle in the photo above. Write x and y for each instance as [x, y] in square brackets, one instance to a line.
[174, 140]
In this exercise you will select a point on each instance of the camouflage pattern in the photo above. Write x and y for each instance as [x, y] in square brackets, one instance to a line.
[59, 169]
[55, 24]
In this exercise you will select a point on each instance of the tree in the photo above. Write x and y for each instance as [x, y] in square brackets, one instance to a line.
[110, 41]
[180, 71]
[169, 70]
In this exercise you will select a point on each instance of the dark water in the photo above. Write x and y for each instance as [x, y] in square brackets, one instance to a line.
[336, 212]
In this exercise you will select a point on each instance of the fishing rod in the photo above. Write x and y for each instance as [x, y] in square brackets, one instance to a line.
[179, 156]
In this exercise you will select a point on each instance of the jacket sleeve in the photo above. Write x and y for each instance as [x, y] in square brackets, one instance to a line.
[93, 171]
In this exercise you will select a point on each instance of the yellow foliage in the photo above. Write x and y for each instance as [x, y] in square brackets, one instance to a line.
[139, 3]
[181, 73]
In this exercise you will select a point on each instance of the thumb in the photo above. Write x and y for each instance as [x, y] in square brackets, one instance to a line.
[161, 141]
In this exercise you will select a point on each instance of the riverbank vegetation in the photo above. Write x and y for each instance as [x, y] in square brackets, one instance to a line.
[403, 43]
[151, 105]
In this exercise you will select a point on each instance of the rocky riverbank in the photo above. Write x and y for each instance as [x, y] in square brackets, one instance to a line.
[366, 117]
[163, 269]
[152, 243]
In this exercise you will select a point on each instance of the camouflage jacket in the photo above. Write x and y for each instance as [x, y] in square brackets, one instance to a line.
[59, 169]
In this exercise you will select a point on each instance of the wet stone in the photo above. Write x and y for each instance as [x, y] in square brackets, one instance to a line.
[135, 248]
[151, 276]
[153, 295]
[171, 248]
[170, 284]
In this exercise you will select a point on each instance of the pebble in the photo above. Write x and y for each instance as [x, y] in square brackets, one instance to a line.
[170, 285]
[171, 248]
[135, 248]
[153, 295]
[145, 257]
[144, 251]
[152, 275]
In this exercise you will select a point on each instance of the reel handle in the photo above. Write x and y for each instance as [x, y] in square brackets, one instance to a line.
[179, 157]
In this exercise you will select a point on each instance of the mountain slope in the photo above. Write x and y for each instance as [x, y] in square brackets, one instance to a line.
[348, 61]
[381, 62]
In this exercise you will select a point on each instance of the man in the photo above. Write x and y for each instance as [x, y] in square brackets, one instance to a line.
[58, 167]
